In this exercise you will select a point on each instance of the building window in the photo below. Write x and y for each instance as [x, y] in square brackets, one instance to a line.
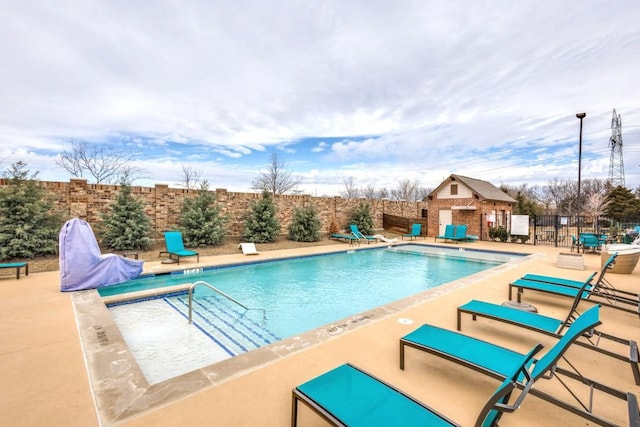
[454, 189]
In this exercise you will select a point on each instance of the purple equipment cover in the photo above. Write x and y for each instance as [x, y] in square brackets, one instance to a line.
[81, 264]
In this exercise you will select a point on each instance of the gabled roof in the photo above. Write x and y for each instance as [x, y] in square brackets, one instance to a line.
[484, 189]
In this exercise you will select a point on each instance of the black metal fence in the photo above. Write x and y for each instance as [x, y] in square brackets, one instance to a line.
[558, 230]
[561, 230]
[549, 230]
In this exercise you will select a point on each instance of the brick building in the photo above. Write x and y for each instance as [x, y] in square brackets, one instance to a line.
[463, 200]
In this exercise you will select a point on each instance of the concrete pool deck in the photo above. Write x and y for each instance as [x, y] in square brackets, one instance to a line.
[46, 381]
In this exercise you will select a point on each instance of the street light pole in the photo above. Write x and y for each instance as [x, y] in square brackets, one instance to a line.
[580, 116]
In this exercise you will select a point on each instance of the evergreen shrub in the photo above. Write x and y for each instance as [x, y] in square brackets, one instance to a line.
[202, 223]
[29, 225]
[126, 226]
[305, 225]
[361, 216]
[261, 223]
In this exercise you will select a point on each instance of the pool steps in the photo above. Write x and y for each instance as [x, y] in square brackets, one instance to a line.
[219, 292]
[232, 328]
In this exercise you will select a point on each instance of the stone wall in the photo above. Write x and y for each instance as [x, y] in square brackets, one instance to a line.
[163, 204]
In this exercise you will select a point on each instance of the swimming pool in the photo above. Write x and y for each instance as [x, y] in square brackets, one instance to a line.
[297, 295]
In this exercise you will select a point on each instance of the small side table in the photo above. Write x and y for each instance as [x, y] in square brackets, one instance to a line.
[130, 254]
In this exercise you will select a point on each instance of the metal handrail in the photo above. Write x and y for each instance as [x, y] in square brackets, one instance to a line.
[213, 288]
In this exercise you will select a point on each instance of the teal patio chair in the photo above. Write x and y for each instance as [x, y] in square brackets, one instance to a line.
[415, 232]
[356, 232]
[449, 233]
[175, 247]
[349, 396]
[461, 234]
[553, 327]
[499, 362]
[590, 241]
[575, 244]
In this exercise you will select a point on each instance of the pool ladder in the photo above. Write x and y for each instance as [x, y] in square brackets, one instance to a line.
[230, 298]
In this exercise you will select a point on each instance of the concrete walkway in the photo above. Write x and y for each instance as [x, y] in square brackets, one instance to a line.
[48, 379]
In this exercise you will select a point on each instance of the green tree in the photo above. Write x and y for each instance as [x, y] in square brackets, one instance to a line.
[202, 223]
[361, 216]
[28, 224]
[126, 226]
[305, 226]
[261, 223]
[621, 203]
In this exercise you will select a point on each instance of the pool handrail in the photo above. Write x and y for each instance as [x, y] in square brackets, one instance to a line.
[213, 288]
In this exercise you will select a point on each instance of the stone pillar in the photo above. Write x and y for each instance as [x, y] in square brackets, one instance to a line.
[78, 198]
[161, 216]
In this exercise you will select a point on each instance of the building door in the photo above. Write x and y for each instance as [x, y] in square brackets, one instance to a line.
[444, 217]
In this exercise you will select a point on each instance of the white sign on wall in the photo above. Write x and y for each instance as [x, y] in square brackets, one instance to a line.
[520, 225]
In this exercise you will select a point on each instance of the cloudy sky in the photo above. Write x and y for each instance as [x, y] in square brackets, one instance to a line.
[379, 91]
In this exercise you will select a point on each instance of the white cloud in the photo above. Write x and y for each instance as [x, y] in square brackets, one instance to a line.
[438, 87]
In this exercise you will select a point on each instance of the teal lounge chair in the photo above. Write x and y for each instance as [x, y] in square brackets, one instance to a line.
[415, 232]
[175, 247]
[575, 283]
[356, 232]
[449, 233]
[461, 234]
[624, 304]
[349, 396]
[601, 287]
[346, 237]
[552, 326]
[500, 362]
[601, 292]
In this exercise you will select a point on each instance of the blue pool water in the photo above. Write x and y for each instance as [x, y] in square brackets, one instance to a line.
[297, 295]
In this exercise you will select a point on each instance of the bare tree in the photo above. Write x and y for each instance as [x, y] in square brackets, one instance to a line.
[104, 163]
[564, 194]
[276, 179]
[408, 190]
[423, 192]
[190, 178]
[370, 192]
[527, 198]
[384, 193]
[594, 186]
[350, 190]
[595, 204]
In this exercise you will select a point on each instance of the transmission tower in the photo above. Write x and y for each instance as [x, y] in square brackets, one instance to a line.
[616, 164]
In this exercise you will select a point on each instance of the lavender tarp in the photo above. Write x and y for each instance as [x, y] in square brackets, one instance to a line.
[82, 266]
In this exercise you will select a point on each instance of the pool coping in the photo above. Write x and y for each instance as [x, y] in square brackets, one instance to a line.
[121, 392]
